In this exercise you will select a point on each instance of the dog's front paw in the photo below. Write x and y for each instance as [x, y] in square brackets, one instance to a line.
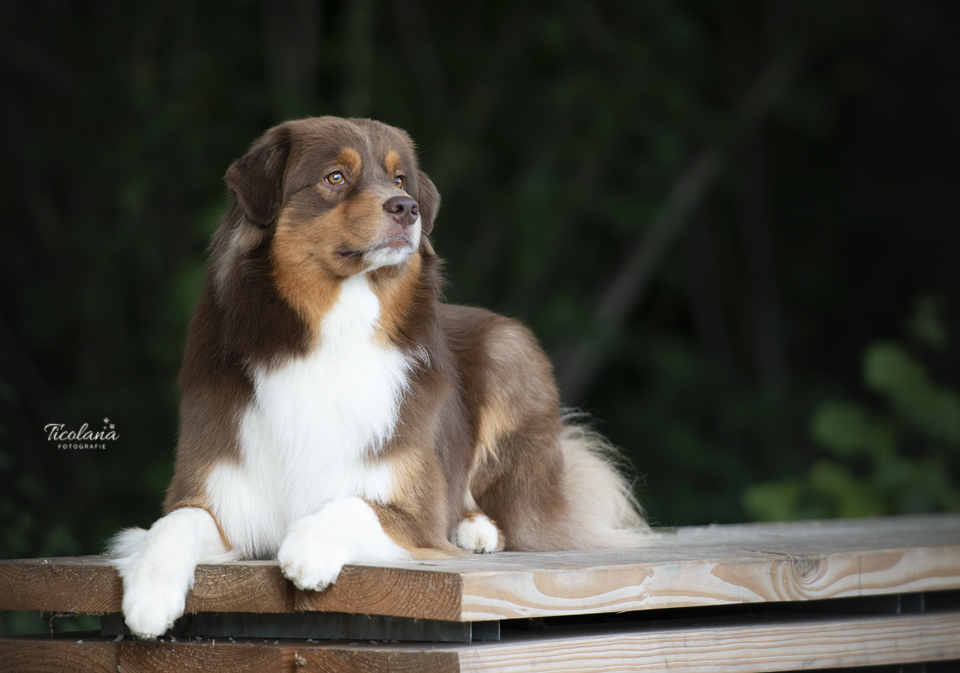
[343, 531]
[477, 533]
[311, 562]
[150, 607]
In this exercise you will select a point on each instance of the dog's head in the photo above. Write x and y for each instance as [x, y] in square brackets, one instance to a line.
[336, 196]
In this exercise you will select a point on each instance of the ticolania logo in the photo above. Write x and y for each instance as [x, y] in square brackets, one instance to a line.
[82, 438]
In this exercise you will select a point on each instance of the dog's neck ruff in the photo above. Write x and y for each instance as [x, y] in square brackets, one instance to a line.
[313, 427]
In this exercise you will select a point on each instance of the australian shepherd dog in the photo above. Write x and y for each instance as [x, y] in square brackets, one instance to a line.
[334, 410]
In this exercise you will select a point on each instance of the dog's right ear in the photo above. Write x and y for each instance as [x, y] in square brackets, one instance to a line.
[256, 179]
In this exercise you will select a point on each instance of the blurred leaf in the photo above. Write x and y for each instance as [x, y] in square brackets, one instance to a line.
[773, 501]
[889, 369]
[926, 325]
[849, 429]
[851, 497]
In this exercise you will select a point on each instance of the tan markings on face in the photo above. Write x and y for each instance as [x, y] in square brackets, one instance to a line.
[350, 159]
[393, 164]
[395, 288]
[300, 276]
[362, 222]
[311, 257]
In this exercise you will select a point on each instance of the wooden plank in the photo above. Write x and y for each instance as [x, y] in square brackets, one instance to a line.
[67, 652]
[730, 649]
[420, 593]
[252, 586]
[738, 578]
[371, 660]
[72, 584]
[89, 584]
[711, 565]
[785, 645]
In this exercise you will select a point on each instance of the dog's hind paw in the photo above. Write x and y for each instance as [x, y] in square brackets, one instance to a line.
[477, 533]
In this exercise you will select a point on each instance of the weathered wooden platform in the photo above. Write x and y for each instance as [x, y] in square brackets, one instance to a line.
[719, 598]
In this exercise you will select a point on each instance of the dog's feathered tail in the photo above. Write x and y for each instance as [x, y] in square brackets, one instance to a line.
[603, 509]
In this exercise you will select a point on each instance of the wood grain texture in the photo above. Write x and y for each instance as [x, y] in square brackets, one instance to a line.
[711, 565]
[189, 657]
[252, 586]
[369, 660]
[805, 645]
[724, 564]
[394, 592]
[65, 653]
[61, 655]
[72, 584]
[90, 584]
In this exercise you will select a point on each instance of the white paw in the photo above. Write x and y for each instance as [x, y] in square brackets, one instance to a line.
[150, 607]
[157, 567]
[477, 533]
[311, 562]
[343, 531]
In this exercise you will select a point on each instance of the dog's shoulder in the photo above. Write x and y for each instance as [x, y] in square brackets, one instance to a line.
[497, 354]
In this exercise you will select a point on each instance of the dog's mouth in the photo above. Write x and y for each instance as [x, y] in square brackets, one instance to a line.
[394, 243]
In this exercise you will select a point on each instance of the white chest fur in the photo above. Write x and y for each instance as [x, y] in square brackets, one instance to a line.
[307, 436]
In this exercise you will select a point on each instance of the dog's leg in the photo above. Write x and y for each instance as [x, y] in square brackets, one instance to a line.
[157, 567]
[344, 531]
[478, 533]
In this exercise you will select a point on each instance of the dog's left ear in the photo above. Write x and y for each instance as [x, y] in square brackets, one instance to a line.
[256, 178]
[429, 199]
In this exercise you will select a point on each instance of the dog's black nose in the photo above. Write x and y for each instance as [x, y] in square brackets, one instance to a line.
[403, 209]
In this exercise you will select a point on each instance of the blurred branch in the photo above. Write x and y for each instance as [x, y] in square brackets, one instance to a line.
[421, 52]
[357, 26]
[292, 44]
[480, 101]
[702, 277]
[578, 367]
[759, 254]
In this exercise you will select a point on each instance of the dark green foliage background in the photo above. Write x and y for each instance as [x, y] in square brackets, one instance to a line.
[558, 134]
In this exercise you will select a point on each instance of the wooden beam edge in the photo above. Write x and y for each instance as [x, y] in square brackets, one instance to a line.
[810, 644]
[777, 577]
[734, 648]
[87, 652]
[90, 585]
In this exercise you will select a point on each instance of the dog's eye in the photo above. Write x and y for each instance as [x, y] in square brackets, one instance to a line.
[335, 178]
[398, 181]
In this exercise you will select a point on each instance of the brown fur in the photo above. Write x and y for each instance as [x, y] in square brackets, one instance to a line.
[480, 426]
